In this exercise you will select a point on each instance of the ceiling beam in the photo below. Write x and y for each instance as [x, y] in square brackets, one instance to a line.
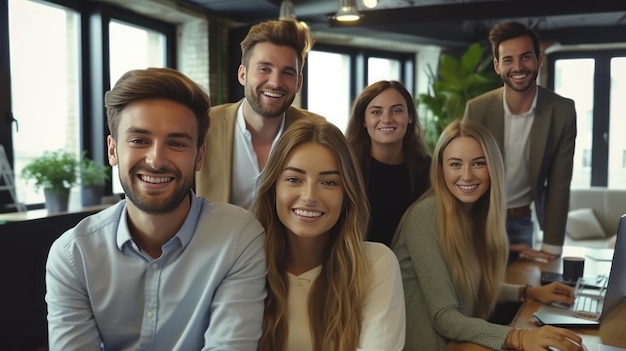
[481, 10]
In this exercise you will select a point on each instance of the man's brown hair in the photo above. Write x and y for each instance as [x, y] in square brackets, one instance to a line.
[289, 33]
[157, 83]
[511, 30]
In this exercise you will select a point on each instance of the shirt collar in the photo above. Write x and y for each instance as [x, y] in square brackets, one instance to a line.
[241, 122]
[184, 234]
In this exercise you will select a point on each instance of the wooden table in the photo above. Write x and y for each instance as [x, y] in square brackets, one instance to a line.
[612, 330]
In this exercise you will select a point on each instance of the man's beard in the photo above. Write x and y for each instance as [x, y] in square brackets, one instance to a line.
[158, 204]
[253, 99]
[520, 89]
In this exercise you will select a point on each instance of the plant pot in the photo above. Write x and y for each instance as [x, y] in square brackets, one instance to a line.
[57, 200]
[91, 195]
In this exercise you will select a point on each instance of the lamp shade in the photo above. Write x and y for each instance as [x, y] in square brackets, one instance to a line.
[347, 11]
[287, 10]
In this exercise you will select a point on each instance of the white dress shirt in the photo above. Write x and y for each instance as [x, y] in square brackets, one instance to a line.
[246, 172]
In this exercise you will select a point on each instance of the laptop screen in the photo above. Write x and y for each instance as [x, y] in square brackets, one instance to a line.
[615, 291]
[617, 278]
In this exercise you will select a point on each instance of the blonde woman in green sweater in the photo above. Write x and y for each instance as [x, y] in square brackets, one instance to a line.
[452, 249]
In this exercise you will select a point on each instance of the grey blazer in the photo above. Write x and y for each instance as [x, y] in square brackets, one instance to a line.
[552, 141]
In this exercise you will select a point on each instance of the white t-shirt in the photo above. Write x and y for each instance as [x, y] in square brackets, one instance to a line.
[384, 317]
[516, 155]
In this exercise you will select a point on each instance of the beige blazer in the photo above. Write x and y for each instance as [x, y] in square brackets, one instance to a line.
[213, 181]
[551, 154]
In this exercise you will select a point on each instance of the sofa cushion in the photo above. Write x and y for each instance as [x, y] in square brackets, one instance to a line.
[582, 224]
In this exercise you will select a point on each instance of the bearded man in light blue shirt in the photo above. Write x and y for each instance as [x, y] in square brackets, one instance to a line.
[162, 269]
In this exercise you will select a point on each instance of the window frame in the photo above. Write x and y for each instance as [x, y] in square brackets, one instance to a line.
[94, 75]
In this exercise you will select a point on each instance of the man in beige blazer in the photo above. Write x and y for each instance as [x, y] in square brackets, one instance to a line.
[536, 131]
[242, 134]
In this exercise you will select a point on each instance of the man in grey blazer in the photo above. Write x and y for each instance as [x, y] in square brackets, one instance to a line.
[242, 134]
[536, 131]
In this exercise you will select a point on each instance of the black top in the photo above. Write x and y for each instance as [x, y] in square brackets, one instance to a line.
[388, 191]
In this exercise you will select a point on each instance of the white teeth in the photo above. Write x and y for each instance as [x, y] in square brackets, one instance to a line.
[155, 180]
[468, 187]
[521, 76]
[304, 213]
[271, 94]
[387, 129]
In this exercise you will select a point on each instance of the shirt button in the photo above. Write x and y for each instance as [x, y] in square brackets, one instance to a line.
[155, 266]
[149, 314]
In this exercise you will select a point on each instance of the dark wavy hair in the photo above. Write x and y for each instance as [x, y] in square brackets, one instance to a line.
[414, 148]
[511, 30]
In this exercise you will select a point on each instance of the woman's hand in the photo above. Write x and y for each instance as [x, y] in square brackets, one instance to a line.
[551, 293]
[548, 336]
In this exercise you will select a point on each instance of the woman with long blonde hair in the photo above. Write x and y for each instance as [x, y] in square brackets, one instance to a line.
[452, 248]
[327, 288]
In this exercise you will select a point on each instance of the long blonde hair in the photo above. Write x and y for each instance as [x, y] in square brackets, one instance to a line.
[337, 297]
[482, 230]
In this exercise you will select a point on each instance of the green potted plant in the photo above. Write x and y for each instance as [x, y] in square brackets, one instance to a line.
[457, 80]
[55, 172]
[93, 176]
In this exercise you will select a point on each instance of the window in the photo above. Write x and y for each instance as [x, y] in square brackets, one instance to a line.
[59, 73]
[382, 69]
[336, 75]
[586, 161]
[329, 86]
[617, 122]
[148, 50]
[574, 80]
[596, 81]
[45, 73]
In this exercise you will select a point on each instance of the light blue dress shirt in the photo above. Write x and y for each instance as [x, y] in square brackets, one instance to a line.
[205, 292]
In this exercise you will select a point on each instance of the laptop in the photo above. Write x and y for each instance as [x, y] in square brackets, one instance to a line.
[606, 299]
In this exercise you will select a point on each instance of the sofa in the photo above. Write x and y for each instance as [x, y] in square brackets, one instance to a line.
[594, 216]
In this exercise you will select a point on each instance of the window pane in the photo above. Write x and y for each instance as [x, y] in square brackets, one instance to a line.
[133, 47]
[44, 86]
[617, 123]
[329, 86]
[574, 79]
[382, 69]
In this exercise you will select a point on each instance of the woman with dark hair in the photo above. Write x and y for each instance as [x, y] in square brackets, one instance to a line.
[386, 136]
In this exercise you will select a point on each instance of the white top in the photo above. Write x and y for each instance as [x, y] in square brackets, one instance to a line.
[516, 153]
[383, 326]
[246, 173]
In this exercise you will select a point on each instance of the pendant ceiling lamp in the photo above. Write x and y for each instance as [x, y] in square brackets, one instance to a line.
[287, 10]
[348, 11]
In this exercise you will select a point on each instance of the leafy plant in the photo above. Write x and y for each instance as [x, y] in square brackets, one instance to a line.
[56, 170]
[92, 172]
[457, 80]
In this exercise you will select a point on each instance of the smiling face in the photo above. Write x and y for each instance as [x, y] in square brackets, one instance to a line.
[387, 118]
[465, 170]
[157, 154]
[309, 191]
[270, 78]
[518, 65]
